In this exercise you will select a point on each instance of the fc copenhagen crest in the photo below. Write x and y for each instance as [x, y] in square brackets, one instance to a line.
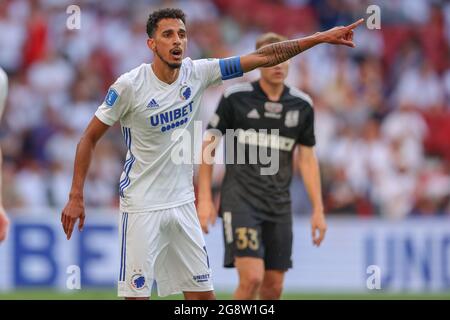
[185, 92]
[138, 281]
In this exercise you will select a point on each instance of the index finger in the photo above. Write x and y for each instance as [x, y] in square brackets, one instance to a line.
[355, 24]
[321, 236]
[313, 234]
[64, 223]
[71, 224]
[204, 225]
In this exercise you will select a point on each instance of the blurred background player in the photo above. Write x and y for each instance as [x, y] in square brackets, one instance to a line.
[161, 235]
[382, 142]
[255, 208]
[4, 222]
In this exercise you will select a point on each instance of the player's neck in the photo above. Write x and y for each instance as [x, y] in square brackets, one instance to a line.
[272, 91]
[164, 72]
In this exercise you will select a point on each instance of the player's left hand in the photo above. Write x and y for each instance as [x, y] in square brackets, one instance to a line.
[73, 211]
[318, 227]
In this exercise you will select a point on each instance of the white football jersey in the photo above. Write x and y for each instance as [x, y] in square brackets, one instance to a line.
[3, 90]
[150, 111]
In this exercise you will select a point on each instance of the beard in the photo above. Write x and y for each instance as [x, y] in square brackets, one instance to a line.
[172, 65]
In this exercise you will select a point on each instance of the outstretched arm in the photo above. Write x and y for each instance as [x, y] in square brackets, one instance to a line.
[276, 53]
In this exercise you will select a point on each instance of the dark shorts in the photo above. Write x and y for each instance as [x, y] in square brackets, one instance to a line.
[246, 235]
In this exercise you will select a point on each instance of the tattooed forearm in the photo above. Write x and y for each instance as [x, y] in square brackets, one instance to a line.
[276, 53]
[279, 52]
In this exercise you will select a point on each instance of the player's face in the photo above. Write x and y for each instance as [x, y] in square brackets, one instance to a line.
[275, 75]
[169, 42]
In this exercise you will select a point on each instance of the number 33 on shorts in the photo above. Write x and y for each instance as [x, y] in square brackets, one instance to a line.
[247, 238]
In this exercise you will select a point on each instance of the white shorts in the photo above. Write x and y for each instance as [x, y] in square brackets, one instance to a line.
[166, 246]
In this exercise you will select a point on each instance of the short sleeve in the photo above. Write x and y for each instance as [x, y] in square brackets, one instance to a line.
[307, 136]
[117, 102]
[209, 71]
[3, 90]
[223, 118]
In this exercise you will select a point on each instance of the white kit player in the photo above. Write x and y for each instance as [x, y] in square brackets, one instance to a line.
[160, 236]
[4, 222]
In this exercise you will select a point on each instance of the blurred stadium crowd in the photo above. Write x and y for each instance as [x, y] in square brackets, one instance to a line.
[382, 109]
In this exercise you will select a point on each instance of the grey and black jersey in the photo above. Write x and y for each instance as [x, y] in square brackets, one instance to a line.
[253, 119]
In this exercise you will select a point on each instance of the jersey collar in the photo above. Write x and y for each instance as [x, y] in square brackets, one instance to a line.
[162, 83]
[259, 90]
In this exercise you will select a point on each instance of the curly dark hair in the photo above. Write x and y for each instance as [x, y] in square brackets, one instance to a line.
[166, 13]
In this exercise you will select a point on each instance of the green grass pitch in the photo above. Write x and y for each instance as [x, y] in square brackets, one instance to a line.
[88, 294]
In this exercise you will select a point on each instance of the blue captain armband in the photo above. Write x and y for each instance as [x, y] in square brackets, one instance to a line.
[231, 68]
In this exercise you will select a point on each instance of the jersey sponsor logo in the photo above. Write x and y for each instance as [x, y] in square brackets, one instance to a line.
[291, 119]
[262, 139]
[253, 114]
[138, 281]
[153, 104]
[173, 118]
[111, 97]
[185, 92]
[201, 277]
